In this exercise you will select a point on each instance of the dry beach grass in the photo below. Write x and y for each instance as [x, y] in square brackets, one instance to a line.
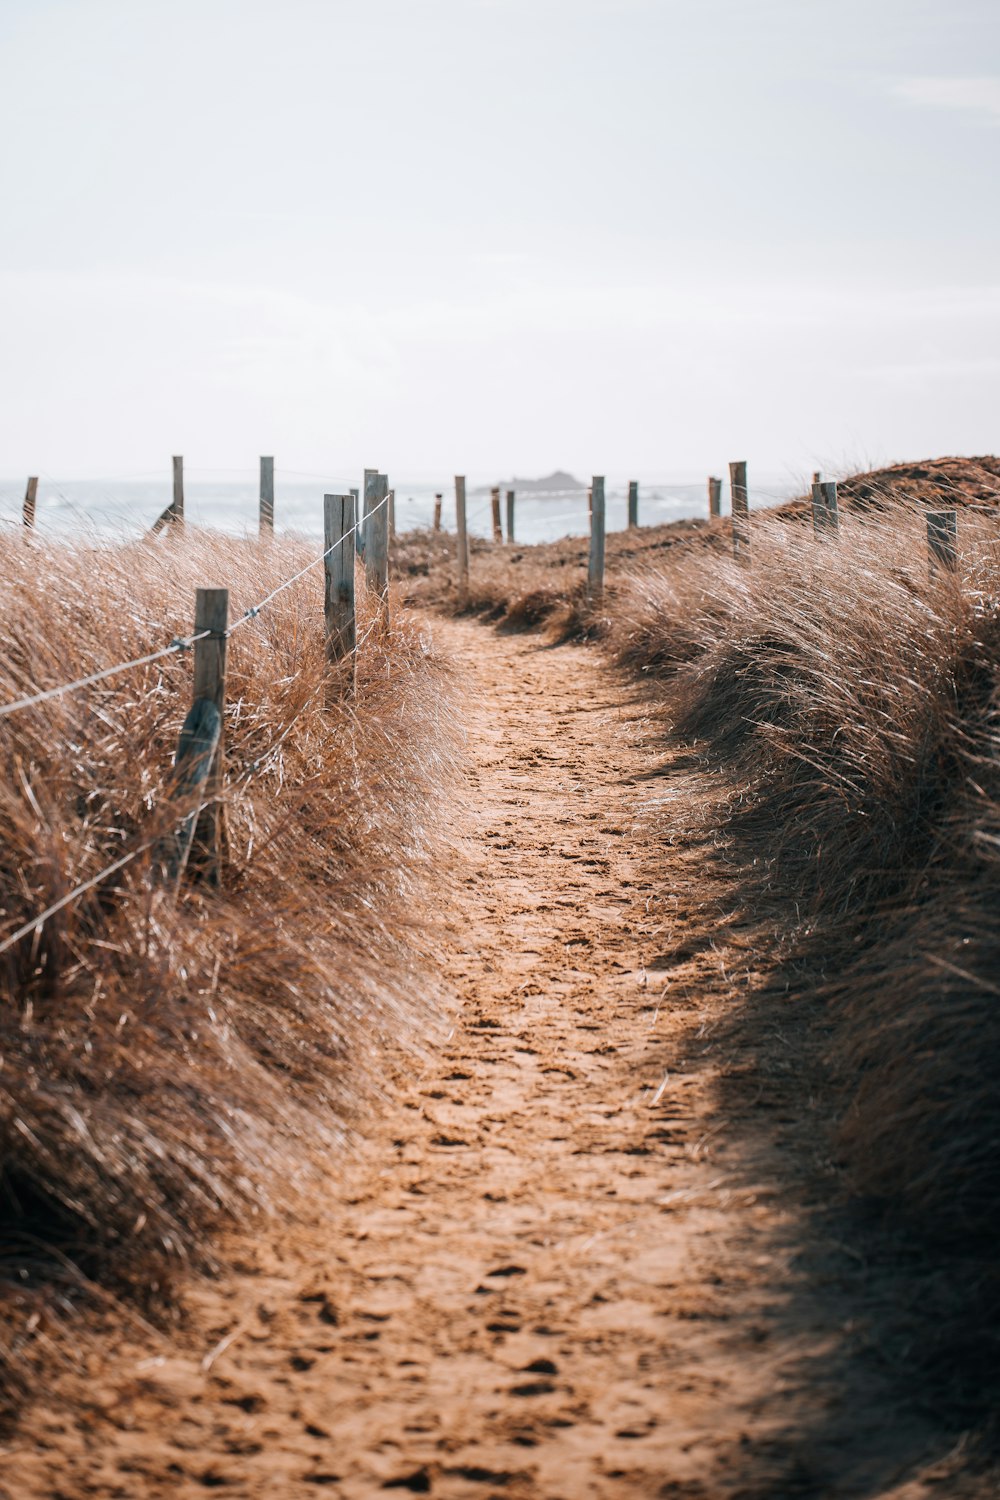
[850, 701]
[526, 587]
[170, 1067]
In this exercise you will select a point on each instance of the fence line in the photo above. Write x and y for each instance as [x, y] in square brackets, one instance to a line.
[198, 763]
[255, 609]
[179, 643]
[267, 471]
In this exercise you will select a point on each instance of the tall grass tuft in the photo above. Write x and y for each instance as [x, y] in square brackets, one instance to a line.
[171, 1067]
[851, 702]
[541, 586]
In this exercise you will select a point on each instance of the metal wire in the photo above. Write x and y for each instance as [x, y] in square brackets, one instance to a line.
[255, 609]
[81, 890]
[179, 643]
[175, 645]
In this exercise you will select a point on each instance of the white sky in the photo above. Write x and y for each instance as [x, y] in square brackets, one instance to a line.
[497, 236]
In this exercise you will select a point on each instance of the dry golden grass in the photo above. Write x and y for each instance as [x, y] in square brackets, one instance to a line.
[170, 1066]
[850, 702]
[524, 587]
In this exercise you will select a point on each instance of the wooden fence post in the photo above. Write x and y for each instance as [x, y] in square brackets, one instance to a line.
[177, 503]
[495, 507]
[360, 536]
[266, 520]
[437, 512]
[740, 506]
[714, 498]
[830, 501]
[463, 535]
[633, 504]
[942, 540]
[30, 496]
[595, 567]
[377, 545]
[339, 512]
[211, 613]
[391, 510]
[825, 512]
[817, 505]
[510, 515]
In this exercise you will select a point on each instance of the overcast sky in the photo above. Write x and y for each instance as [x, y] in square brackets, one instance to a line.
[498, 235]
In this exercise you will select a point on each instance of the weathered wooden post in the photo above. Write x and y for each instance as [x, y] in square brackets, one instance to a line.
[211, 614]
[817, 505]
[391, 511]
[595, 568]
[633, 504]
[463, 535]
[377, 545]
[590, 503]
[830, 500]
[825, 512]
[266, 516]
[339, 513]
[495, 507]
[510, 515]
[177, 503]
[437, 512]
[196, 747]
[714, 498]
[740, 506]
[30, 496]
[360, 537]
[942, 540]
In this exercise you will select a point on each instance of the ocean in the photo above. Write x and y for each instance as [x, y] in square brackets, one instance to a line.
[125, 506]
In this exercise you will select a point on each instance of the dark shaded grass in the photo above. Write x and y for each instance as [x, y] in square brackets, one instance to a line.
[171, 1068]
[847, 702]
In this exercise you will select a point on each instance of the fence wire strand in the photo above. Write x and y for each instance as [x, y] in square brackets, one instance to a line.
[255, 609]
[180, 643]
[50, 911]
[176, 645]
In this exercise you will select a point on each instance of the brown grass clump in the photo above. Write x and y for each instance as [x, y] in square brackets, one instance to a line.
[167, 1067]
[852, 704]
[527, 587]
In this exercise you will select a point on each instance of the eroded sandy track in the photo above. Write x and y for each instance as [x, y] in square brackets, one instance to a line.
[546, 1278]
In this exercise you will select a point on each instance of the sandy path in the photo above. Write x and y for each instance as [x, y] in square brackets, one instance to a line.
[551, 1275]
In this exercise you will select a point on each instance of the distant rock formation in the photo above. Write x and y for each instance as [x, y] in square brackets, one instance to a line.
[558, 482]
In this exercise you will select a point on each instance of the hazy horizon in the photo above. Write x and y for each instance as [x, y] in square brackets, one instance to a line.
[494, 237]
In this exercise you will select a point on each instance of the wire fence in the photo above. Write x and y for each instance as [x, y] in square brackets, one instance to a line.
[181, 643]
[824, 515]
[106, 509]
[361, 523]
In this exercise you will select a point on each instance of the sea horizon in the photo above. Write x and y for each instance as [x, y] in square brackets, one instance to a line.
[126, 507]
